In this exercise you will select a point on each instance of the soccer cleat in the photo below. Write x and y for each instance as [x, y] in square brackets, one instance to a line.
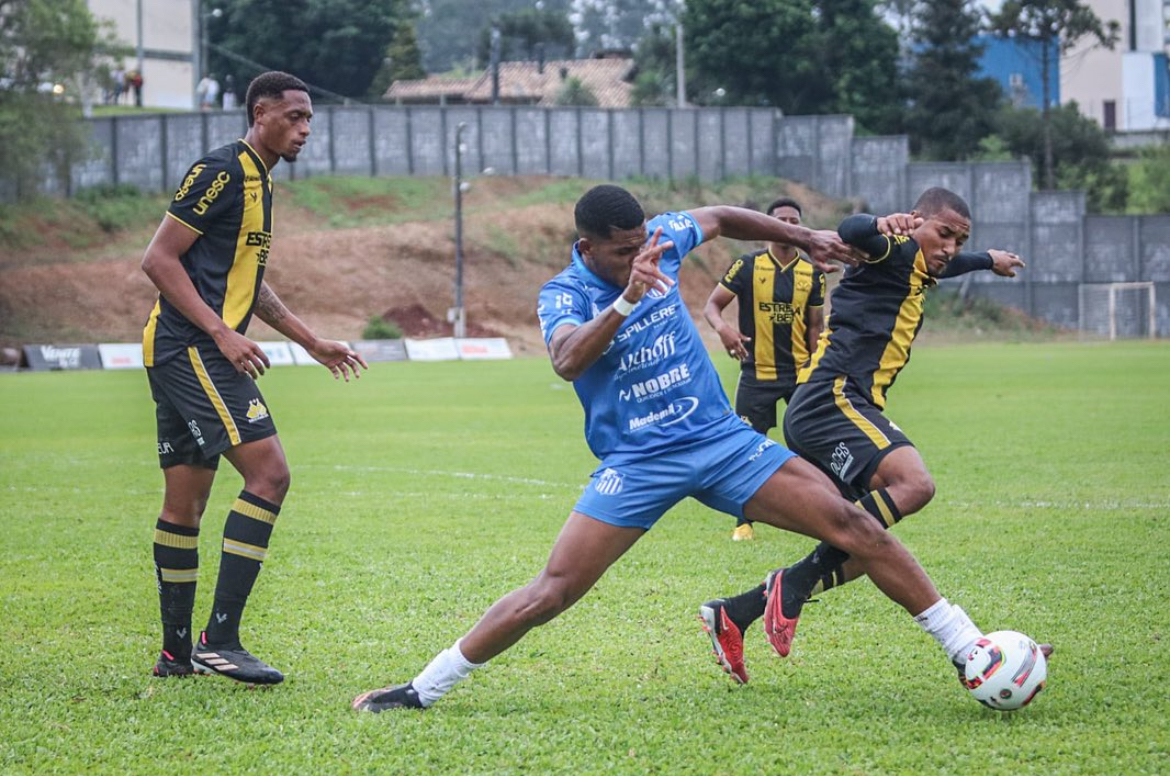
[743, 533]
[234, 662]
[726, 639]
[169, 665]
[779, 629]
[400, 696]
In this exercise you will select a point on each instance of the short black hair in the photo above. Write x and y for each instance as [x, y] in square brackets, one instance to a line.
[271, 84]
[605, 208]
[937, 199]
[780, 202]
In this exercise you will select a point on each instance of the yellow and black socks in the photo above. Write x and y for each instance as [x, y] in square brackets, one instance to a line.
[245, 545]
[176, 565]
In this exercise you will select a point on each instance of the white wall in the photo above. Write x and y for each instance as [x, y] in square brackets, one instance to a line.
[167, 26]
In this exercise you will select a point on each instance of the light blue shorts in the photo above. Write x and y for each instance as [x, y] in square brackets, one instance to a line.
[723, 471]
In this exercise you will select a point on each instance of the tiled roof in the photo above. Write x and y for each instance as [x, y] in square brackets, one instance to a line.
[523, 83]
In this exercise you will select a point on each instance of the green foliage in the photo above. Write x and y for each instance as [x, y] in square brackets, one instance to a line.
[423, 492]
[575, 92]
[525, 33]
[1150, 181]
[42, 43]
[379, 328]
[338, 45]
[654, 58]
[620, 24]
[403, 61]
[859, 55]
[113, 207]
[1080, 152]
[951, 108]
[449, 30]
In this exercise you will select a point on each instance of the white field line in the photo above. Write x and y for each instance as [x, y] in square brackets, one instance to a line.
[442, 473]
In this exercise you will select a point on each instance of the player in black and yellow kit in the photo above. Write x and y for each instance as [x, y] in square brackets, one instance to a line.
[781, 314]
[208, 259]
[835, 419]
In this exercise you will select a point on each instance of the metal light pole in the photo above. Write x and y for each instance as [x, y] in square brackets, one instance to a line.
[214, 13]
[458, 314]
[680, 71]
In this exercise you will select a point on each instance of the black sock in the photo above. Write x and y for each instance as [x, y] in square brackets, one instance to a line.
[176, 567]
[821, 569]
[245, 545]
[745, 608]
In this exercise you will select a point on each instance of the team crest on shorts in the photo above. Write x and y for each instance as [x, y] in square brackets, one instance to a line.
[609, 483]
[256, 411]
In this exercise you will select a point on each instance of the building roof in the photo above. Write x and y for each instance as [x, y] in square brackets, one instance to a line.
[525, 83]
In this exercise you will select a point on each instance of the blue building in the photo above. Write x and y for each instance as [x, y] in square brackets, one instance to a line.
[1016, 65]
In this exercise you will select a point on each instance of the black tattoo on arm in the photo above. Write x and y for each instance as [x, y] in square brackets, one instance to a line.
[269, 308]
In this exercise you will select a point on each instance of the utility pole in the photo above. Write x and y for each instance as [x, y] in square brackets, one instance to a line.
[680, 75]
[141, 48]
[495, 65]
[458, 316]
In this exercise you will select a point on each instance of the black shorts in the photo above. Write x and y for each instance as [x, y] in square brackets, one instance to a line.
[203, 407]
[833, 425]
[755, 400]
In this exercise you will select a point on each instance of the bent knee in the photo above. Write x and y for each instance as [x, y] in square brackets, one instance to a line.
[913, 493]
[271, 484]
[545, 600]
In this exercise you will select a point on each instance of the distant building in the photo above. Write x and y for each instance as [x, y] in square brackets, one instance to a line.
[1126, 89]
[170, 33]
[1016, 65]
[609, 79]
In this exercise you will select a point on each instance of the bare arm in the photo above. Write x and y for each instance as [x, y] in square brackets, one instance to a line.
[162, 265]
[337, 356]
[822, 247]
[816, 324]
[732, 338]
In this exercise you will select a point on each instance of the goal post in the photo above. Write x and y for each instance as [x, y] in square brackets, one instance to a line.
[1118, 310]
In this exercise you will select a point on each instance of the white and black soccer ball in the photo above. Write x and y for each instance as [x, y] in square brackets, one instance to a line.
[1005, 670]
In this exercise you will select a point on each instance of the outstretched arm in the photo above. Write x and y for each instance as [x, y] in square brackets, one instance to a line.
[823, 247]
[336, 356]
[732, 338]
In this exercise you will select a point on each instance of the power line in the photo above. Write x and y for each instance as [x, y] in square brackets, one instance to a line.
[261, 68]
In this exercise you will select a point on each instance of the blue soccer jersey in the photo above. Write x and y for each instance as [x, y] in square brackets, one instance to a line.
[655, 386]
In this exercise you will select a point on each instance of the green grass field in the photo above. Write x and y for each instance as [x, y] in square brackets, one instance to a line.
[425, 491]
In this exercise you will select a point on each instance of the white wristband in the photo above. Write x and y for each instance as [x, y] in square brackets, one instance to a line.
[622, 307]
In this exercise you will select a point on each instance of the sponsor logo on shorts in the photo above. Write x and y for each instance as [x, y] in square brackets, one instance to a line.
[609, 483]
[195, 431]
[678, 411]
[165, 447]
[256, 411]
[842, 460]
[760, 448]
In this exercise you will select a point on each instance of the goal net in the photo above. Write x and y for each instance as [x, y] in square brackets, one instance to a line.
[1118, 310]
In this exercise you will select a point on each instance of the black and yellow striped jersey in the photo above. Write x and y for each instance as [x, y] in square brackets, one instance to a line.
[226, 197]
[877, 310]
[774, 300]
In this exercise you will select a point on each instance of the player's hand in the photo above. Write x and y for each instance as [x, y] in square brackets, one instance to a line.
[825, 247]
[339, 358]
[1005, 264]
[644, 271]
[734, 342]
[244, 354]
[899, 223]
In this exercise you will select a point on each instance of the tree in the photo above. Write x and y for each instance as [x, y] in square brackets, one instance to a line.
[528, 34]
[44, 43]
[1054, 25]
[1079, 147]
[620, 24]
[336, 45]
[759, 53]
[575, 92]
[449, 30]
[951, 109]
[1150, 192]
[403, 61]
[860, 57]
[654, 60]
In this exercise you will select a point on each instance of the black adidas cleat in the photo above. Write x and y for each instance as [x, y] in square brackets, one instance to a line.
[232, 661]
[169, 665]
[400, 696]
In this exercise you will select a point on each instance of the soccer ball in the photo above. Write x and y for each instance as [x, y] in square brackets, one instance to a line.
[1005, 670]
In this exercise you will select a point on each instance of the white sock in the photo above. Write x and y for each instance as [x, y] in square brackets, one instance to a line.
[447, 669]
[951, 628]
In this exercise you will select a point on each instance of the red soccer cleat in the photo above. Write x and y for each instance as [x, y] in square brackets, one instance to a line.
[780, 629]
[726, 639]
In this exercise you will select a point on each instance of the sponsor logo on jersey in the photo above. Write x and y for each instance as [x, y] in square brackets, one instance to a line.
[189, 181]
[777, 312]
[256, 411]
[657, 385]
[655, 317]
[647, 356]
[212, 192]
[263, 240]
[677, 412]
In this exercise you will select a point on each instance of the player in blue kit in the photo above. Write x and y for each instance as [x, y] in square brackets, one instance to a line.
[659, 421]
